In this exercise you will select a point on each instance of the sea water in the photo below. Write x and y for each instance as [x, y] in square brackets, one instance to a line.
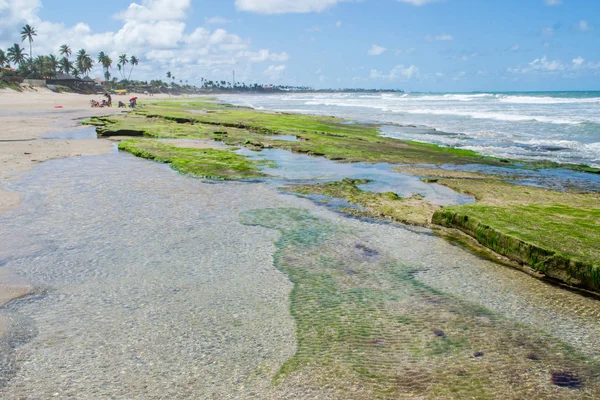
[555, 126]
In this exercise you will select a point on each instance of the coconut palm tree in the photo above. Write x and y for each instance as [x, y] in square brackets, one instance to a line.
[28, 32]
[101, 57]
[169, 75]
[3, 58]
[84, 62]
[65, 66]
[106, 64]
[39, 64]
[105, 61]
[52, 64]
[122, 61]
[16, 55]
[133, 61]
[65, 51]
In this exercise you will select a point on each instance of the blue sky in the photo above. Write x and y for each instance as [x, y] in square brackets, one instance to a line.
[416, 45]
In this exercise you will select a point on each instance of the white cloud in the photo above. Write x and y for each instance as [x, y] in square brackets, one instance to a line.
[417, 2]
[154, 10]
[553, 2]
[338, 24]
[398, 72]
[516, 47]
[156, 31]
[14, 13]
[376, 50]
[218, 20]
[583, 26]
[264, 55]
[578, 62]
[286, 6]
[442, 37]
[275, 72]
[540, 65]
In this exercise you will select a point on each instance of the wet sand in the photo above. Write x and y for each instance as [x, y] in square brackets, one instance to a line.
[25, 118]
[150, 286]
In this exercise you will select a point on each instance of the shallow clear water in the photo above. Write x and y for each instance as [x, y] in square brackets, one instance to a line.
[300, 167]
[157, 285]
[557, 126]
[85, 133]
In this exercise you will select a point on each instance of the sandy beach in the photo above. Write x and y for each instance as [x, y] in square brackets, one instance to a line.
[149, 283]
[26, 118]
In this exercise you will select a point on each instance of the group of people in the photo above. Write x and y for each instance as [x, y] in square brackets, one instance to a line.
[107, 102]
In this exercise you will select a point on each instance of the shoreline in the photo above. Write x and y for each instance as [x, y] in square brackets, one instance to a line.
[414, 126]
[26, 117]
[237, 290]
[554, 249]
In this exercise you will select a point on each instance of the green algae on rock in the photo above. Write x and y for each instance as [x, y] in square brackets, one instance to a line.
[412, 210]
[566, 256]
[206, 163]
[329, 137]
[367, 327]
[555, 233]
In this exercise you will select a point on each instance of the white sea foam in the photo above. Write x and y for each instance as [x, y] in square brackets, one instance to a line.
[547, 100]
[502, 124]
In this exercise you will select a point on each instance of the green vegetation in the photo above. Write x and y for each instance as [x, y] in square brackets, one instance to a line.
[555, 233]
[10, 85]
[329, 137]
[412, 210]
[207, 163]
[367, 328]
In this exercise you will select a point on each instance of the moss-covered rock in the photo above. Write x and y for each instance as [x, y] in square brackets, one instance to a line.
[207, 163]
[411, 210]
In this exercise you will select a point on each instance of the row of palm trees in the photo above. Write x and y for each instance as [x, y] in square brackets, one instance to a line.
[50, 65]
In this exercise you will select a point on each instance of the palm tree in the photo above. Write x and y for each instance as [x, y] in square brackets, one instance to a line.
[123, 60]
[169, 75]
[65, 51]
[65, 66]
[101, 57]
[84, 62]
[106, 64]
[28, 32]
[39, 64]
[52, 64]
[133, 61]
[15, 54]
[105, 61]
[3, 59]
[88, 64]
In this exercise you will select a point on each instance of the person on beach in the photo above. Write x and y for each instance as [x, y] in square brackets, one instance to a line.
[108, 99]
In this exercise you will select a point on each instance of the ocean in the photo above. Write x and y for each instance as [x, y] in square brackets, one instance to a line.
[556, 126]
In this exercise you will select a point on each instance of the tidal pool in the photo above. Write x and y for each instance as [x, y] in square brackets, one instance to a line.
[303, 168]
[156, 285]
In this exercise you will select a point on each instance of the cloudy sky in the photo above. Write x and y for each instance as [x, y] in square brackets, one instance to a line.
[416, 45]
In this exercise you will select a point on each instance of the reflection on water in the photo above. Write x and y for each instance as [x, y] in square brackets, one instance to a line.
[300, 167]
[157, 285]
[85, 133]
[285, 138]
